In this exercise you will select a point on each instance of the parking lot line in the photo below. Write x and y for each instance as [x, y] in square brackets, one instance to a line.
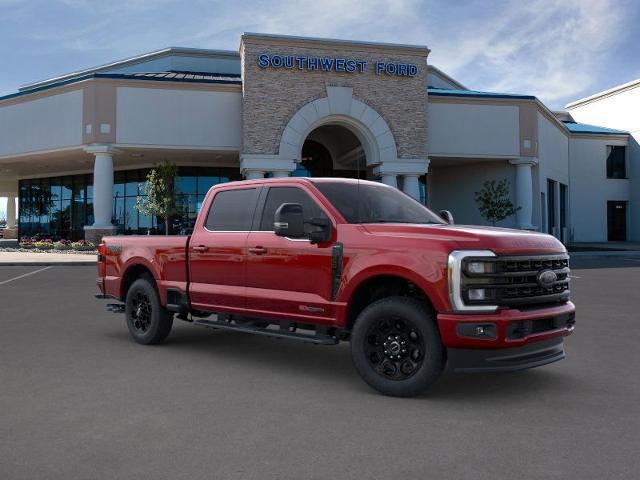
[25, 275]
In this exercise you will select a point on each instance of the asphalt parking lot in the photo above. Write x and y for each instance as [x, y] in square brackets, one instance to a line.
[80, 400]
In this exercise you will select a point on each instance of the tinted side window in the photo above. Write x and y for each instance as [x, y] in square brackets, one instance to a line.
[232, 210]
[279, 195]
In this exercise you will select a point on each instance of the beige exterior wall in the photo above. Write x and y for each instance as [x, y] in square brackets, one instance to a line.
[461, 129]
[179, 117]
[50, 122]
[272, 96]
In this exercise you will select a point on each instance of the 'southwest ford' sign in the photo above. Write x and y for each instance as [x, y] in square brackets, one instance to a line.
[330, 64]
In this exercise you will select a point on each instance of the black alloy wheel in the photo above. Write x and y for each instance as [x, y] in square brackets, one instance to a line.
[141, 311]
[396, 346]
[148, 321]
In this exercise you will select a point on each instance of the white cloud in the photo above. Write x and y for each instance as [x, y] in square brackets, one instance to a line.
[548, 48]
[554, 49]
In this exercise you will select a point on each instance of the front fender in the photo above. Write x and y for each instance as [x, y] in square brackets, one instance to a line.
[427, 271]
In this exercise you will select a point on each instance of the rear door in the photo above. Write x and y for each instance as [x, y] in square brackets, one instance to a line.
[217, 250]
[288, 278]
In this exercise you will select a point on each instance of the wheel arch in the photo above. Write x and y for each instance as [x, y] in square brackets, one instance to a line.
[371, 286]
[133, 272]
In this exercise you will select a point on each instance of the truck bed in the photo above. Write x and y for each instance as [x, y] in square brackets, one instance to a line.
[165, 257]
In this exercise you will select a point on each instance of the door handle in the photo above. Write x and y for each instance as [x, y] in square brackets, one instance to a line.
[200, 249]
[258, 250]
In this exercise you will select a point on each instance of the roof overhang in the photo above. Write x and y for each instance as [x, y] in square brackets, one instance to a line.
[605, 93]
[145, 57]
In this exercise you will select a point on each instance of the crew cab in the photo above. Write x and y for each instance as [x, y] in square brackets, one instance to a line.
[325, 260]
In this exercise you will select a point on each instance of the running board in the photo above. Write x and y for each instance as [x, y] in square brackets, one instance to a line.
[266, 332]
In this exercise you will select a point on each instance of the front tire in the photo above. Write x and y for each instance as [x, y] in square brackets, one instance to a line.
[396, 346]
[148, 321]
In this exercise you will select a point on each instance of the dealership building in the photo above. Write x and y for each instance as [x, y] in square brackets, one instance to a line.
[75, 149]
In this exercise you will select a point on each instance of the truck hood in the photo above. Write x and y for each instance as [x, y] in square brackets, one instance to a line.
[503, 241]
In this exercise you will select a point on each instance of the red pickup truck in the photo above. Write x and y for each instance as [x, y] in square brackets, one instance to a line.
[325, 260]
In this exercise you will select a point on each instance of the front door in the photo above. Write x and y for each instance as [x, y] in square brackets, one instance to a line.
[218, 251]
[617, 221]
[288, 278]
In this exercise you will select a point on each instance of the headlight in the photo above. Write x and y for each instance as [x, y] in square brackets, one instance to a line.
[474, 266]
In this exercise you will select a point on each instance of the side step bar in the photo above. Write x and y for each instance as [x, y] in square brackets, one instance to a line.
[318, 339]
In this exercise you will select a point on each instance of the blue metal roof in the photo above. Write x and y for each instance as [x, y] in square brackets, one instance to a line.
[173, 76]
[444, 92]
[575, 127]
[176, 75]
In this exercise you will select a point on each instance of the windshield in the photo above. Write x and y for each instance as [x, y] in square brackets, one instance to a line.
[367, 203]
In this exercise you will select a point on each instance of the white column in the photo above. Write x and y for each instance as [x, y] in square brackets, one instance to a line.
[409, 169]
[524, 191]
[253, 174]
[102, 192]
[390, 179]
[254, 166]
[411, 185]
[11, 212]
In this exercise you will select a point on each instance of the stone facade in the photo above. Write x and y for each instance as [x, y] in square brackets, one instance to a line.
[272, 96]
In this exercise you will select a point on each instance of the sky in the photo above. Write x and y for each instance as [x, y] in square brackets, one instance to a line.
[558, 50]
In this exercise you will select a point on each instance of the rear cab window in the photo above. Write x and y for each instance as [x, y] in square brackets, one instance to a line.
[232, 210]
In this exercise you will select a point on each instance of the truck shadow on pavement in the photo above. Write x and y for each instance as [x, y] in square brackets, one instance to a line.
[333, 366]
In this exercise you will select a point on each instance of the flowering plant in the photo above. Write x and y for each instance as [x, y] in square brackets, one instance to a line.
[83, 245]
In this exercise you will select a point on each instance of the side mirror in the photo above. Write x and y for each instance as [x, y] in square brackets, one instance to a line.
[288, 220]
[447, 216]
[320, 230]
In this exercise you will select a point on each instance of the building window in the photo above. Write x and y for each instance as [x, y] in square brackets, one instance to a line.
[60, 207]
[616, 161]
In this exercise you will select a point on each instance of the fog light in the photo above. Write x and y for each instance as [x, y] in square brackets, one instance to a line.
[476, 294]
[484, 331]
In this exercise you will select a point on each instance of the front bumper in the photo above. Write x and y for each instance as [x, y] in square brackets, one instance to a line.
[530, 355]
[506, 328]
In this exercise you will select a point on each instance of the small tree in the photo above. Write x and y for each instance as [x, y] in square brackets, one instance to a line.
[493, 201]
[160, 199]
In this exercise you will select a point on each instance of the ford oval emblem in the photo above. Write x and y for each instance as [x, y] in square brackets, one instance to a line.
[546, 278]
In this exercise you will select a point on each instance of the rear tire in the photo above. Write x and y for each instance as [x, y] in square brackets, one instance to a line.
[148, 321]
[396, 346]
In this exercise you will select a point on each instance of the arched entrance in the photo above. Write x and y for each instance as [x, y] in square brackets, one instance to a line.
[338, 136]
[332, 150]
